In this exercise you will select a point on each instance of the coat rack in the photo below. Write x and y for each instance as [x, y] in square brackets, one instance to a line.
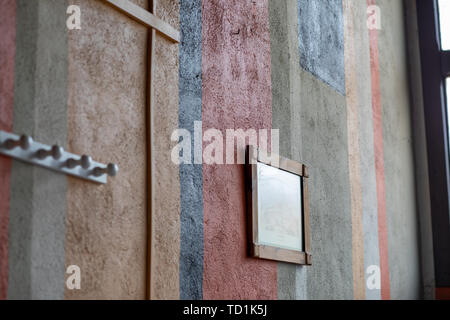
[23, 148]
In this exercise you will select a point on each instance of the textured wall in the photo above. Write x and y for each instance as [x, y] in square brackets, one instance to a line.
[286, 115]
[325, 147]
[191, 176]
[7, 54]
[106, 224]
[358, 147]
[321, 40]
[236, 94]
[165, 250]
[316, 116]
[378, 143]
[402, 219]
[360, 95]
[324, 139]
[38, 203]
[338, 93]
[354, 154]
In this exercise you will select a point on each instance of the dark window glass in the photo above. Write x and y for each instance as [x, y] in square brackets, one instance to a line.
[448, 100]
[444, 17]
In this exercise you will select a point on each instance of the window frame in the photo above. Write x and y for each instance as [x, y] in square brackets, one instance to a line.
[435, 67]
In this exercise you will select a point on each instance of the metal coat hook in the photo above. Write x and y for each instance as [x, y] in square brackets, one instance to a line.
[84, 162]
[111, 170]
[24, 142]
[54, 157]
[55, 152]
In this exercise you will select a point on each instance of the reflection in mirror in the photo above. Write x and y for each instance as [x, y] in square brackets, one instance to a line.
[279, 208]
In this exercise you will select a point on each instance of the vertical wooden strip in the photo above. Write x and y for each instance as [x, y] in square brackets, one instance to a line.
[145, 18]
[150, 143]
[306, 220]
[354, 154]
[379, 161]
[165, 175]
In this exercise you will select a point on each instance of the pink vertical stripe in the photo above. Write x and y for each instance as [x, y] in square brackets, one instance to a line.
[7, 55]
[236, 95]
[379, 161]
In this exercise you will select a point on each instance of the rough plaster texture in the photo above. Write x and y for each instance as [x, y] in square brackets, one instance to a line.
[377, 119]
[367, 157]
[312, 117]
[354, 155]
[420, 151]
[324, 123]
[7, 55]
[106, 224]
[236, 95]
[321, 40]
[402, 220]
[323, 143]
[38, 204]
[286, 115]
[191, 176]
[165, 250]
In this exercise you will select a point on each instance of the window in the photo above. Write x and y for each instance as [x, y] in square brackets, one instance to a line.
[447, 91]
[444, 22]
[434, 40]
[444, 32]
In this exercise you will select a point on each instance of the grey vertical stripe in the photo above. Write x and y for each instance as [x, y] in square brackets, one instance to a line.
[191, 176]
[401, 210]
[281, 114]
[286, 112]
[38, 196]
[309, 114]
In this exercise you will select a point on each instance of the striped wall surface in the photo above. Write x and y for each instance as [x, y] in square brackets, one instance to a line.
[358, 35]
[106, 225]
[7, 54]
[38, 196]
[354, 154]
[285, 71]
[399, 167]
[379, 160]
[236, 95]
[165, 246]
[337, 91]
[191, 175]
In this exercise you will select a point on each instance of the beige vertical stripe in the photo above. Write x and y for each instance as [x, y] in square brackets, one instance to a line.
[165, 181]
[354, 153]
[106, 224]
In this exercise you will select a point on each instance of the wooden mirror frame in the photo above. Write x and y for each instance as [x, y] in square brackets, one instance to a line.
[255, 249]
